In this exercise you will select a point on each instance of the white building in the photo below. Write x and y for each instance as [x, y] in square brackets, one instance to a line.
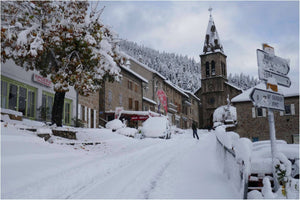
[33, 95]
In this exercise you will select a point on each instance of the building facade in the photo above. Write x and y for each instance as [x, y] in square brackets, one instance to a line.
[253, 122]
[32, 95]
[214, 84]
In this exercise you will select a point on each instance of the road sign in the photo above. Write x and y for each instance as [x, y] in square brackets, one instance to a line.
[267, 99]
[272, 63]
[281, 79]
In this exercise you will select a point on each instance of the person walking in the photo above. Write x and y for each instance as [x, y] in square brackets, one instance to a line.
[194, 127]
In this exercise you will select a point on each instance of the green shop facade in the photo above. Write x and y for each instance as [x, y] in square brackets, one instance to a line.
[31, 94]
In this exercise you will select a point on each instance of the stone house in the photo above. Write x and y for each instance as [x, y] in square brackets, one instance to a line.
[88, 110]
[179, 101]
[253, 123]
[126, 94]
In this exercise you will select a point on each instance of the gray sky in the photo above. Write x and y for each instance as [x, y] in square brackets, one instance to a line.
[180, 26]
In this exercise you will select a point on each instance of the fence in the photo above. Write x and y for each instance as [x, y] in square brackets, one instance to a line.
[234, 168]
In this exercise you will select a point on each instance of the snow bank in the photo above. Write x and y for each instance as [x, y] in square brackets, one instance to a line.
[114, 124]
[131, 132]
[11, 112]
[226, 138]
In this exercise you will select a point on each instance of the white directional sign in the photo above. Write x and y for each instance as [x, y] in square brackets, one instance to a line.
[271, 66]
[281, 79]
[272, 63]
[267, 99]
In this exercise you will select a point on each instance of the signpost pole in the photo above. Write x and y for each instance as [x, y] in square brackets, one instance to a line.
[273, 145]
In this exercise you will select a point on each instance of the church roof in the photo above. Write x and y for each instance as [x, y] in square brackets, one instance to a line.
[212, 41]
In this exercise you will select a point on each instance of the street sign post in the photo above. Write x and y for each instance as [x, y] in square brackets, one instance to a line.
[267, 99]
[271, 66]
[273, 63]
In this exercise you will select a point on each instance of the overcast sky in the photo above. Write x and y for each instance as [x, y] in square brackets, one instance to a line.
[180, 26]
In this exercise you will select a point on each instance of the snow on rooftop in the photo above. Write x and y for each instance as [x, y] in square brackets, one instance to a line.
[176, 87]
[135, 74]
[233, 86]
[149, 100]
[287, 92]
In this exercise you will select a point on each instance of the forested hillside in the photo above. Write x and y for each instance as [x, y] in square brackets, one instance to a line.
[180, 70]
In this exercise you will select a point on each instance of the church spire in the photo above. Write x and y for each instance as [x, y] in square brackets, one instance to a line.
[212, 41]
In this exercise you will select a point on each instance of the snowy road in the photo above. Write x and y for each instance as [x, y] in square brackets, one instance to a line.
[120, 167]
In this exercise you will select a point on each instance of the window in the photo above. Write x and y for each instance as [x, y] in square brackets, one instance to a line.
[18, 96]
[129, 85]
[136, 105]
[31, 104]
[83, 112]
[3, 94]
[136, 88]
[130, 103]
[12, 98]
[47, 104]
[109, 99]
[223, 66]
[287, 109]
[207, 69]
[259, 112]
[213, 68]
[67, 114]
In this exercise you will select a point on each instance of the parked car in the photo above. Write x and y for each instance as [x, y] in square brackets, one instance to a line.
[261, 162]
[156, 127]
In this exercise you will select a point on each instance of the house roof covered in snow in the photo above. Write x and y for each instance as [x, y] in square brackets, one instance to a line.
[135, 74]
[212, 41]
[287, 92]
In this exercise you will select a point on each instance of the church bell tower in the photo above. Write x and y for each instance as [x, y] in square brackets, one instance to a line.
[213, 74]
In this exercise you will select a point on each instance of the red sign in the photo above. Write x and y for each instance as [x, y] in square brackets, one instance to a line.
[163, 99]
[139, 117]
[41, 80]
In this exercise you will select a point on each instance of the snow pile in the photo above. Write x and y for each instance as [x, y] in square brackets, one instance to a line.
[11, 112]
[226, 138]
[235, 154]
[131, 132]
[114, 124]
[155, 127]
[223, 113]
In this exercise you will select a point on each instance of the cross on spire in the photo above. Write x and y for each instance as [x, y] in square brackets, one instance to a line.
[210, 10]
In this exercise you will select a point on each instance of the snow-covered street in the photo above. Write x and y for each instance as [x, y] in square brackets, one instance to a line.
[119, 167]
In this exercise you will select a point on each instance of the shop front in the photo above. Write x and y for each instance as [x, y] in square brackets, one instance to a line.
[32, 94]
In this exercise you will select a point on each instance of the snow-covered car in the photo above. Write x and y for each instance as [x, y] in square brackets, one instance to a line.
[115, 125]
[156, 127]
[261, 161]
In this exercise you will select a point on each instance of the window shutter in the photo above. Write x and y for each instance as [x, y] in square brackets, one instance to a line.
[253, 112]
[85, 113]
[89, 119]
[95, 126]
[264, 112]
[293, 109]
[79, 111]
[281, 113]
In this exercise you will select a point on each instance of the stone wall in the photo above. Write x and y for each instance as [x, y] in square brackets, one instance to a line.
[252, 126]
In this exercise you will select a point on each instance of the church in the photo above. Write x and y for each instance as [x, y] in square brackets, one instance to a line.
[214, 88]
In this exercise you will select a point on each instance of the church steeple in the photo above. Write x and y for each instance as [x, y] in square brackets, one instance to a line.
[212, 41]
